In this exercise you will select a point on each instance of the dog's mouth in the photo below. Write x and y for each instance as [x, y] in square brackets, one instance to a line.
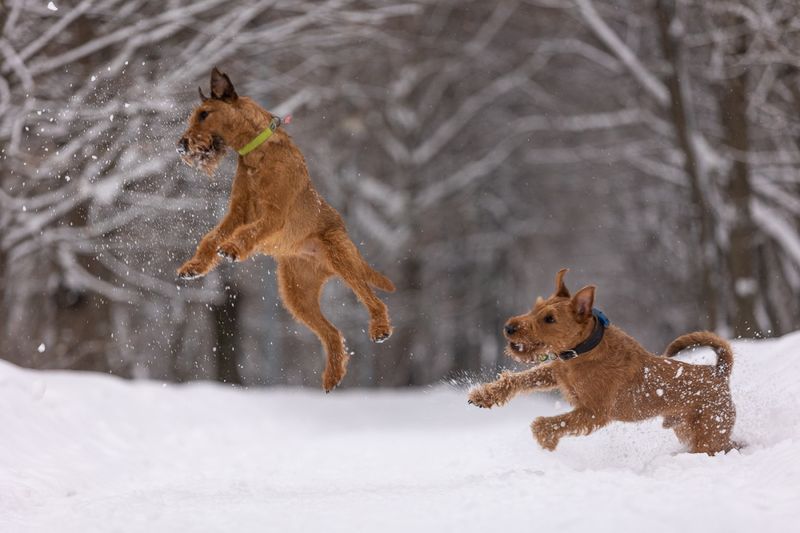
[524, 351]
[205, 157]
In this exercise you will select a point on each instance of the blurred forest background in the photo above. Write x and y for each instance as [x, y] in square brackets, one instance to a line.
[474, 148]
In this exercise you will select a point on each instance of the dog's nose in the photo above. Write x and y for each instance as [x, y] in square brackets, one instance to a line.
[183, 146]
[511, 328]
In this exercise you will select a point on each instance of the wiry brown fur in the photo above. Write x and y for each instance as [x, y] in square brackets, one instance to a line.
[617, 380]
[274, 210]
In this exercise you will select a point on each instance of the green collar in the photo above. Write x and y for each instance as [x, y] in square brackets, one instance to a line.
[261, 138]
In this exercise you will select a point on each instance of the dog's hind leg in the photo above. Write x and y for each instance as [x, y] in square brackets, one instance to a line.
[300, 282]
[682, 426]
[711, 429]
[343, 258]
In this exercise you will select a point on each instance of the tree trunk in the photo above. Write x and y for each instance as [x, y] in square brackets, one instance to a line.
[399, 371]
[681, 116]
[226, 321]
[741, 248]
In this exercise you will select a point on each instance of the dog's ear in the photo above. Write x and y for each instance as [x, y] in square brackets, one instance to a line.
[583, 301]
[561, 288]
[221, 86]
[203, 97]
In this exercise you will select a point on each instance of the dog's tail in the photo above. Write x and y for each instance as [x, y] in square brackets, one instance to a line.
[378, 280]
[705, 338]
[341, 243]
[375, 278]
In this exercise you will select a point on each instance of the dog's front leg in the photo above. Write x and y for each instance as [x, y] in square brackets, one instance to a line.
[242, 243]
[548, 430]
[509, 384]
[205, 256]
[203, 260]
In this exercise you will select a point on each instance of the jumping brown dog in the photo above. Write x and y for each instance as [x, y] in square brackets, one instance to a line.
[274, 210]
[606, 375]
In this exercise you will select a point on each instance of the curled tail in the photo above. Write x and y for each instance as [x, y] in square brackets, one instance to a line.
[705, 338]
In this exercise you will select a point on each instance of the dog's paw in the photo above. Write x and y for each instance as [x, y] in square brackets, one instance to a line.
[482, 397]
[335, 369]
[544, 431]
[230, 251]
[380, 330]
[192, 270]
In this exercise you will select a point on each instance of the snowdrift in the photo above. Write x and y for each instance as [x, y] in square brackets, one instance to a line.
[83, 453]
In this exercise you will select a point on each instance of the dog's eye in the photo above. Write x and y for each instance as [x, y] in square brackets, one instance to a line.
[550, 319]
[202, 116]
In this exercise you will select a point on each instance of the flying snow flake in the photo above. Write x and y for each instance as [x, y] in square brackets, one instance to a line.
[42, 347]
[745, 286]
[52, 7]
[679, 372]
[660, 392]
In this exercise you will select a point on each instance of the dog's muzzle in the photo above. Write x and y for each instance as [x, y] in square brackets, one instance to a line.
[183, 147]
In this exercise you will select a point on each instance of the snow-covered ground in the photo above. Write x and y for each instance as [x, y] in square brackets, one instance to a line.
[89, 453]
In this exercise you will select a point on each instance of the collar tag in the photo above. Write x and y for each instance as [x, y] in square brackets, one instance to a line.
[545, 357]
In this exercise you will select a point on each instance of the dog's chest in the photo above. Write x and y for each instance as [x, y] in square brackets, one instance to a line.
[583, 385]
[570, 395]
[572, 388]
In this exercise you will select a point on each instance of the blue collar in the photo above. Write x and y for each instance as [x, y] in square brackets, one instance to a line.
[601, 323]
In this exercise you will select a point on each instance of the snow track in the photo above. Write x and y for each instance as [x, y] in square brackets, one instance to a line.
[85, 452]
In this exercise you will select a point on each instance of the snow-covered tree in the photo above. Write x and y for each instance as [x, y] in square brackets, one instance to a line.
[474, 148]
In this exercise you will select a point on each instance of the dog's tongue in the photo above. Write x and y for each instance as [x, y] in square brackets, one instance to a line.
[287, 119]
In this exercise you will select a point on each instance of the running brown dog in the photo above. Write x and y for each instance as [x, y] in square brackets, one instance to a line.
[606, 375]
[275, 210]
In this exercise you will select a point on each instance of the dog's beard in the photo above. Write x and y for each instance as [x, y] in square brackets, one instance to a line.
[206, 159]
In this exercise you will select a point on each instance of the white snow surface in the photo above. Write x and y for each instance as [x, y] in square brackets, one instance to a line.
[86, 452]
